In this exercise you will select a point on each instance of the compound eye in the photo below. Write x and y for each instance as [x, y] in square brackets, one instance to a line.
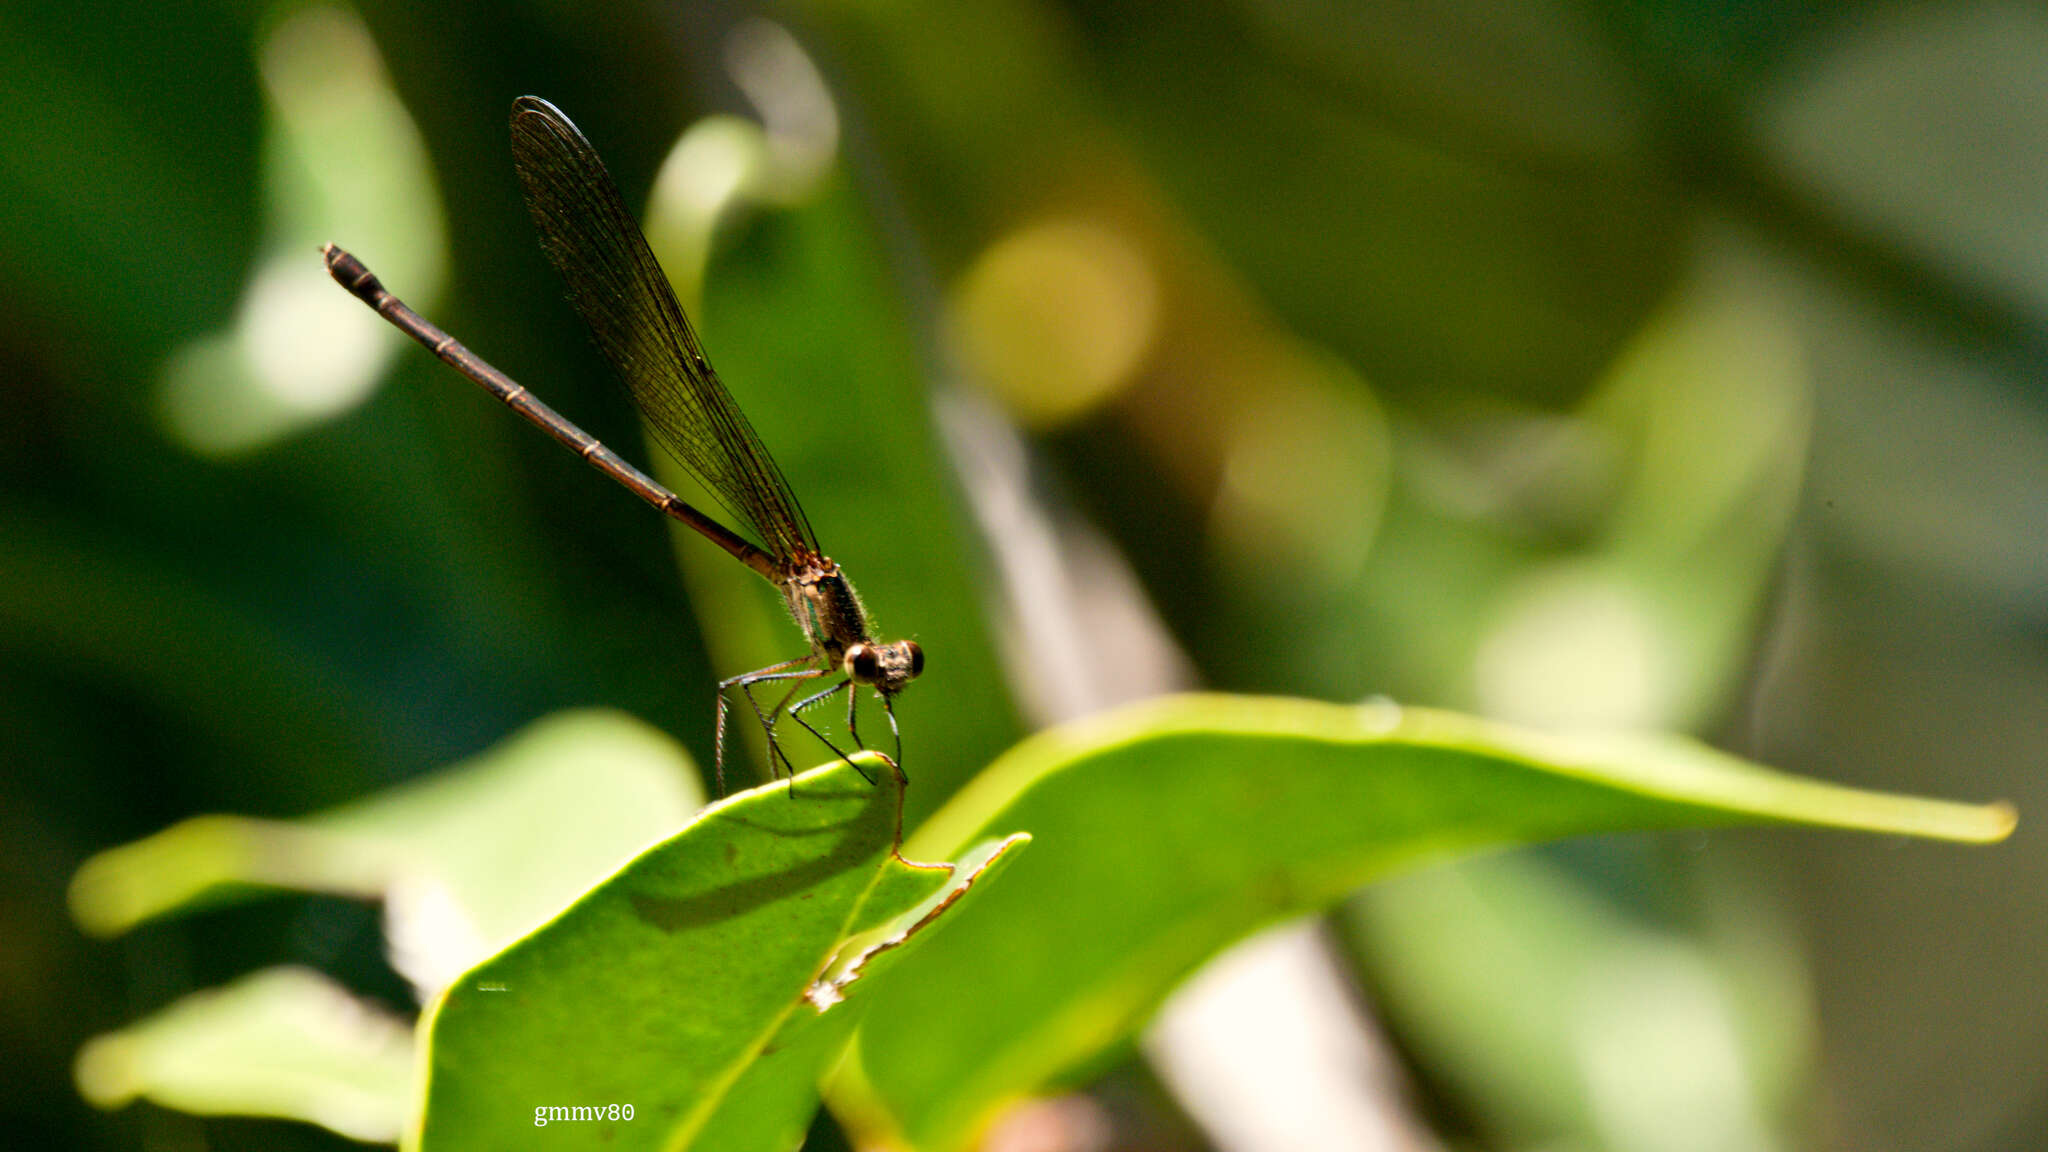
[863, 664]
[916, 658]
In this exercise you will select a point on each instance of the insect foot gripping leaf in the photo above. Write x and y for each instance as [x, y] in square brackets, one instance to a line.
[651, 1012]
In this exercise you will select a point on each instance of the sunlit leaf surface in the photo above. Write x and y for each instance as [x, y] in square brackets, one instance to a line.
[1164, 832]
[636, 1016]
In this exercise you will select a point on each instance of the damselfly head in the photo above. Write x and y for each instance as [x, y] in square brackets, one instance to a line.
[887, 667]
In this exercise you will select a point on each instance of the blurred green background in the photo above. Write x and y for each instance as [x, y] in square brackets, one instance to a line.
[1642, 364]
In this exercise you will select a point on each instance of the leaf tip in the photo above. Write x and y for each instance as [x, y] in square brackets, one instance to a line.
[2001, 818]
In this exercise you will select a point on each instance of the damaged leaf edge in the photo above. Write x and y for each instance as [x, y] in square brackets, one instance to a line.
[848, 963]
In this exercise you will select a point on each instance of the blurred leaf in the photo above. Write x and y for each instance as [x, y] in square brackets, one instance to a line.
[1540, 78]
[1166, 831]
[663, 987]
[1447, 266]
[1554, 1014]
[287, 1042]
[1928, 126]
[1499, 247]
[467, 860]
[1701, 426]
[342, 158]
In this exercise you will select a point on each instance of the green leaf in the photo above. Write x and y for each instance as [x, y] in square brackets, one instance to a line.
[664, 987]
[704, 984]
[468, 859]
[1165, 832]
[770, 1105]
[285, 1042]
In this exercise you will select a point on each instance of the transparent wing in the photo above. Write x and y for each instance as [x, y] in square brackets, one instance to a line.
[625, 299]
